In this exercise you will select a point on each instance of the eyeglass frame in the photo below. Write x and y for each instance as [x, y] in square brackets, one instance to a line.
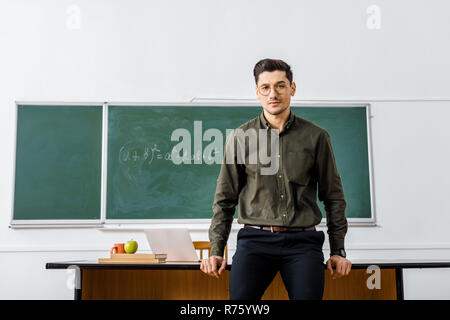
[258, 88]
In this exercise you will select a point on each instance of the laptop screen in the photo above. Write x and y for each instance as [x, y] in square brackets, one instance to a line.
[175, 242]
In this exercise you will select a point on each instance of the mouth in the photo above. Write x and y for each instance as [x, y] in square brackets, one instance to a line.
[273, 103]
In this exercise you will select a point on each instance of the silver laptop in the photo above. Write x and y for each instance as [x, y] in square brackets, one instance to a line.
[175, 242]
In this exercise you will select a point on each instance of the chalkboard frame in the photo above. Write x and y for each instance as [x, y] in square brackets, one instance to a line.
[203, 223]
[370, 221]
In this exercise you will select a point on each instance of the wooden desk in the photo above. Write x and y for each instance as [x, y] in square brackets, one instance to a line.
[175, 281]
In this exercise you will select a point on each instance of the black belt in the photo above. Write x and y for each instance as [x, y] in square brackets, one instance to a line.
[281, 229]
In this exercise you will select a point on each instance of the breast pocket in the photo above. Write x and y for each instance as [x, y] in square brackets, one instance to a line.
[298, 166]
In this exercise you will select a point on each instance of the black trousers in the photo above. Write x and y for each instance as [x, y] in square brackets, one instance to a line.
[261, 254]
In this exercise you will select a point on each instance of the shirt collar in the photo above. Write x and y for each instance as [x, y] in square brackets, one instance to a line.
[266, 125]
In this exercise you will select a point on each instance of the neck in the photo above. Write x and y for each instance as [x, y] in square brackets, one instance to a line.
[277, 121]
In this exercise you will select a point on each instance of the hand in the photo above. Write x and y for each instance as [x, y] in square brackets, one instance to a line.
[210, 265]
[343, 266]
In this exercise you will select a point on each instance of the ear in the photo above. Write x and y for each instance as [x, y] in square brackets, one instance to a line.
[293, 88]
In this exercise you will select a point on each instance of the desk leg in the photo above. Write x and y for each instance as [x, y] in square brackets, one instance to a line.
[78, 281]
[399, 283]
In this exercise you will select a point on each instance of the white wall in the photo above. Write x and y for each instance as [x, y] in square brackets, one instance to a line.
[142, 51]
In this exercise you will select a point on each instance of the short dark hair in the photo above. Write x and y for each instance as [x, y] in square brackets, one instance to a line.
[272, 65]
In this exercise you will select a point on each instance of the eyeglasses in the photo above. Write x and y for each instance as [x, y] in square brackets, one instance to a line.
[280, 88]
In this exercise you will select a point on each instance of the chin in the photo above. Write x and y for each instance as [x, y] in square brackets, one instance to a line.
[276, 110]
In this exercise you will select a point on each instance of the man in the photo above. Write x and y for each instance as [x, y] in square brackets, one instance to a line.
[279, 211]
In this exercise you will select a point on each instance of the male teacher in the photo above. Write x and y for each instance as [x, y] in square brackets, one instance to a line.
[279, 210]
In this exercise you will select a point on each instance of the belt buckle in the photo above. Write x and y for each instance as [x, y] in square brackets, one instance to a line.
[271, 229]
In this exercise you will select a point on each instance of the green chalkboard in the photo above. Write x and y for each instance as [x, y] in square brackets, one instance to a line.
[58, 163]
[144, 183]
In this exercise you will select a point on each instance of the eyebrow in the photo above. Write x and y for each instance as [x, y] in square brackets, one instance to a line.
[282, 81]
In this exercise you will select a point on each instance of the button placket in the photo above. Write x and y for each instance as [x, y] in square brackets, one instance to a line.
[282, 199]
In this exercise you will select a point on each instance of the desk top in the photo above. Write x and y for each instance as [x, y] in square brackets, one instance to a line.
[90, 264]
[356, 264]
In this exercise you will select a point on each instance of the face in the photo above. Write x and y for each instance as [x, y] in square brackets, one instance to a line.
[274, 91]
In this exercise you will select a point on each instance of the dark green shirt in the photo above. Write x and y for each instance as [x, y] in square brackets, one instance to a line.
[287, 198]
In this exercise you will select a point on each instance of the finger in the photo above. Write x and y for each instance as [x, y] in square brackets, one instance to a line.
[214, 268]
[205, 266]
[343, 269]
[349, 268]
[209, 268]
[346, 268]
[340, 268]
[217, 269]
[222, 267]
[336, 273]
[329, 267]
[333, 275]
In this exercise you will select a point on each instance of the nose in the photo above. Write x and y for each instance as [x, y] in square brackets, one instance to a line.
[273, 93]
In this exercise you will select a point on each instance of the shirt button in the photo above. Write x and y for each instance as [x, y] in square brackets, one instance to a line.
[282, 196]
[278, 156]
[284, 214]
[279, 176]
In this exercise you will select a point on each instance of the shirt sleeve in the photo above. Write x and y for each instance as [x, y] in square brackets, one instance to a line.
[229, 184]
[331, 192]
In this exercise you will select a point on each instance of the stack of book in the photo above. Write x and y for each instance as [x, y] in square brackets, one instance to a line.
[139, 258]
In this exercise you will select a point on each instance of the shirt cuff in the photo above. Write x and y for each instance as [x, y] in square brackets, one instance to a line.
[215, 251]
[336, 244]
